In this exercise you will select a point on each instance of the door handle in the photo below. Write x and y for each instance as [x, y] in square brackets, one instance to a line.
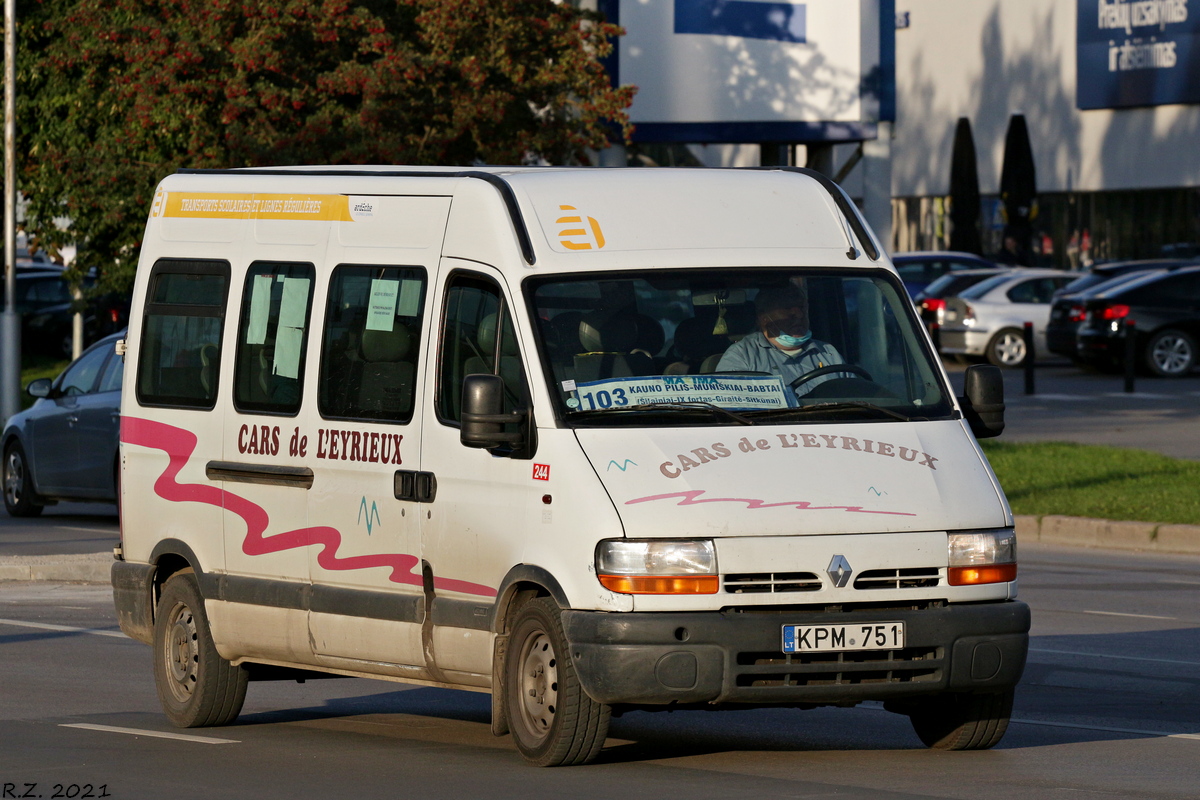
[414, 487]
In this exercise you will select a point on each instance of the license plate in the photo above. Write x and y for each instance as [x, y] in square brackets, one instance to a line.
[837, 638]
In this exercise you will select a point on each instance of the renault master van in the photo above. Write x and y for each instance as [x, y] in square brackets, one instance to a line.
[586, 440]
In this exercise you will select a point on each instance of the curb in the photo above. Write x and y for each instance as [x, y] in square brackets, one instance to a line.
[1151, 537]
[72, 568]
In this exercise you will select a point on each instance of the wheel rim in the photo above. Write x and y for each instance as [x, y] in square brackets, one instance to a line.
[182, 654]
[14, 478]
[1172, 355]
[538, 684]
[1010, 349]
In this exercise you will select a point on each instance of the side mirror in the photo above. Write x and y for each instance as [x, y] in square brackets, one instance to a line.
[483, 419]
[983, 403]
[42, 387]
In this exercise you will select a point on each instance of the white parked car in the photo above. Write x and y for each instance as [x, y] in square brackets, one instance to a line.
[988, 319]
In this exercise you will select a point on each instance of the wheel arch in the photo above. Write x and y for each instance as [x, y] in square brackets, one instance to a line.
[522, 582]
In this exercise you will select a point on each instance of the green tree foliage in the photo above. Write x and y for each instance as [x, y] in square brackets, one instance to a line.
[115, 94]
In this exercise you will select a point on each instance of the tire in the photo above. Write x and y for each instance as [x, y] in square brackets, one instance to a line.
[963, 721]
[552, 720]
[1170, 354]
[197, 688]
[1007, 348]
[19, 497]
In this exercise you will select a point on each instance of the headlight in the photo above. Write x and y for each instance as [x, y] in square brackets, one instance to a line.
[657, 566]
[982, 557]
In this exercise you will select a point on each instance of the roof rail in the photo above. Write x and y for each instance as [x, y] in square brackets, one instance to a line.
[497, 181]
[849, 211]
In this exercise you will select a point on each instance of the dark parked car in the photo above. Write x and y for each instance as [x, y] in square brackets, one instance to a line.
[1164, 304]
[47, 311]
[1102, 273]
[931, 302]
[919, 269]
[64, 446]
[1067, 311]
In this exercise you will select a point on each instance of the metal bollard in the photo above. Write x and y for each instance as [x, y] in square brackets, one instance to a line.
[1130, 327]
[1030, 355]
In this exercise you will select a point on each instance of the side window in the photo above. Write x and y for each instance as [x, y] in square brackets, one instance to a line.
[114, 371]
[273, 337]
[372, 342]
[1022, 292]
[180, 355]
[80, 377]
[477, 337]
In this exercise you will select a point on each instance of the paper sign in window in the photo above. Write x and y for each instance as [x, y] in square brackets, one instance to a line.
[381, 308]
[289, 338]
[260, 309]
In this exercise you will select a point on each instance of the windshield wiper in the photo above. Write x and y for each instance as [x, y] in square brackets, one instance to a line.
[689, 405]
[853, 405]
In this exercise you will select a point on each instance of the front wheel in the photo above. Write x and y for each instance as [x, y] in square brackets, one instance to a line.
[1171, 354]
[1007, 348]
[19, 498]
[956, 721]
[552, 720]
[197, 688]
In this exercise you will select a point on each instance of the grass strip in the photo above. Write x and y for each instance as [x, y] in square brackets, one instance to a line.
[1082, 480]
[34, 367]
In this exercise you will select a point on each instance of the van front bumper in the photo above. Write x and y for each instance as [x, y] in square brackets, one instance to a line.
[736, 656]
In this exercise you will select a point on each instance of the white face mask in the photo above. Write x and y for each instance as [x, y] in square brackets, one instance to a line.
[792, 342]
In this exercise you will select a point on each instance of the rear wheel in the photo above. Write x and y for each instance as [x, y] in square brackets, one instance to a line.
[552, 720]
[1171, 354]
[197, 688]
[956, 721]
[19, 498]
[1007, 348]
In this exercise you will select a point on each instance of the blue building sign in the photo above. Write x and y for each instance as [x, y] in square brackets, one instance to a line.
[1137, 53]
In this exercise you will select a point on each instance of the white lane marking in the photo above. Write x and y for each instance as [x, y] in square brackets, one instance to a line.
[86, 530]
[183, 737]
[1049, 724]
[1140, 395]
[1119, 614]
[1123, 658]
[46, 626]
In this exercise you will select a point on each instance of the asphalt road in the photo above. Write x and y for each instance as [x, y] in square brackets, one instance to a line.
[1074, 405]
[1109, 708]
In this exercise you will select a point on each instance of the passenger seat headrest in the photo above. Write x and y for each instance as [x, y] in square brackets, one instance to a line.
[385, 345]
[486, 338]
[608, 333]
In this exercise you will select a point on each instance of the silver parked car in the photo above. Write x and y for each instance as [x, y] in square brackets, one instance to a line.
[64, 446]
[988, 319]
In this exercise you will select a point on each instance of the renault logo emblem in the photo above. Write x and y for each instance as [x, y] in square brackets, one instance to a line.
[839, 571]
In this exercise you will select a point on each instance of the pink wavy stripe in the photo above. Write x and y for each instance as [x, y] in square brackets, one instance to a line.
[179, 444]
[692, 497]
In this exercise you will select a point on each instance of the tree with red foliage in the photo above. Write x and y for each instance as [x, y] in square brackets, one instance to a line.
[115, 94]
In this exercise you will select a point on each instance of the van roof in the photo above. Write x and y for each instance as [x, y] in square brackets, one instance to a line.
[570, 217]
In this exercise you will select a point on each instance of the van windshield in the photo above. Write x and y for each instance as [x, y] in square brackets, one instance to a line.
[734, 346]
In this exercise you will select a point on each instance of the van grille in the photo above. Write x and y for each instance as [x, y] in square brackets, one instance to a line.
[768, 582]
[912, 578]
[908, 665]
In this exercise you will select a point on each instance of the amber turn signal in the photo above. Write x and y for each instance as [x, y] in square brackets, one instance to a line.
[969, 576]
[660, 584]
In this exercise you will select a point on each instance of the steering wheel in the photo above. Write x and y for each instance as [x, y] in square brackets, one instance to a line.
[829, 370]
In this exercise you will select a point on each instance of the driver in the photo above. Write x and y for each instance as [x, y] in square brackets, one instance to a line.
[783, 344]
